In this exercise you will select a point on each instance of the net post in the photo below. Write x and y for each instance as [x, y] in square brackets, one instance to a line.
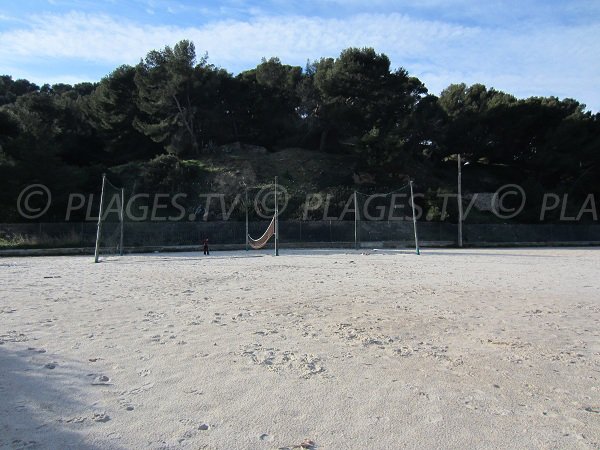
[99, 228]
[247, 219]
[412, 201]
[122, 221]
[276, 221]
[355, 221]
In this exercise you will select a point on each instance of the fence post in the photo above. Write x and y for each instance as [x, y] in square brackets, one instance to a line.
[276, 221]
[355, 222]
[247, 231]
[122, 220]
[460, 205]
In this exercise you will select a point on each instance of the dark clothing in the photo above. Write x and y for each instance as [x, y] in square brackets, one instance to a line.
[206, 251]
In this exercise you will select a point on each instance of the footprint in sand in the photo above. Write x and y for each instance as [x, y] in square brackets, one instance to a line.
[194, 392]
[100, 417]
[156, 338]
[100, 380]
[307, 444]
[13, 336]
[266, 438]
[19, 444]
[77, 419]
[126, 404]
[276, 360]
[139, 390]
[265, 332]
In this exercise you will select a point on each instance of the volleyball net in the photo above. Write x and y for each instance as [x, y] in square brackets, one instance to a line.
[259, 243]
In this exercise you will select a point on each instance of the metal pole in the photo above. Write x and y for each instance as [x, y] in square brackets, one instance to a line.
[276, 221]
[99, 228]
[246, 219]
[355, 222]
[122, 220]
[412, 201]
[460, 205]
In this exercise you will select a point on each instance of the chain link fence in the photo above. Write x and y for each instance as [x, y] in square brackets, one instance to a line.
[296, 233]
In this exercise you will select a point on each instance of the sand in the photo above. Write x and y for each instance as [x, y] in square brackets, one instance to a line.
[320, 349]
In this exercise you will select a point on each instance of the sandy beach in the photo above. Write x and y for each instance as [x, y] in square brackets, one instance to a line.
[487, 349]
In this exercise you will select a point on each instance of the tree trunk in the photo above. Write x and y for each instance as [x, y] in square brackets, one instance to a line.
[323, 143]
[188, 125]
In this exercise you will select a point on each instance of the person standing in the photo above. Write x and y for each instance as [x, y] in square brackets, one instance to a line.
[206, 251]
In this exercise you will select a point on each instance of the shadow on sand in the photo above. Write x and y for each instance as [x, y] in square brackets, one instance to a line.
[42, 406]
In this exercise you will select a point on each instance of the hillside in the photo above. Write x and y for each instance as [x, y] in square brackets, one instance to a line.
[174, 124]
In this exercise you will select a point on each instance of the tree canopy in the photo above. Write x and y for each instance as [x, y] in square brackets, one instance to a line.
[176, 103]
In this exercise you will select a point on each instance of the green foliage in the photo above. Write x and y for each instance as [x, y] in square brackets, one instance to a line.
[367, 107]
[168, 92]
[163, 123]
[269, 103]
[11, 90]
[162, 173]
[112, 109]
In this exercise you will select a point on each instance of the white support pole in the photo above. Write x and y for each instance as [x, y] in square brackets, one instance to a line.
[460, 205]
[412, 202]
[247, 219]
[99, 228]
[355, 222]
[122, 217]
[276, 221]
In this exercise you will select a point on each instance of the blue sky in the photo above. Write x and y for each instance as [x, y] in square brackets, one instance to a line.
[523, 47]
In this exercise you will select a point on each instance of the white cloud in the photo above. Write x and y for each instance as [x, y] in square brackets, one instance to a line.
[541, 60]
[233, 44]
